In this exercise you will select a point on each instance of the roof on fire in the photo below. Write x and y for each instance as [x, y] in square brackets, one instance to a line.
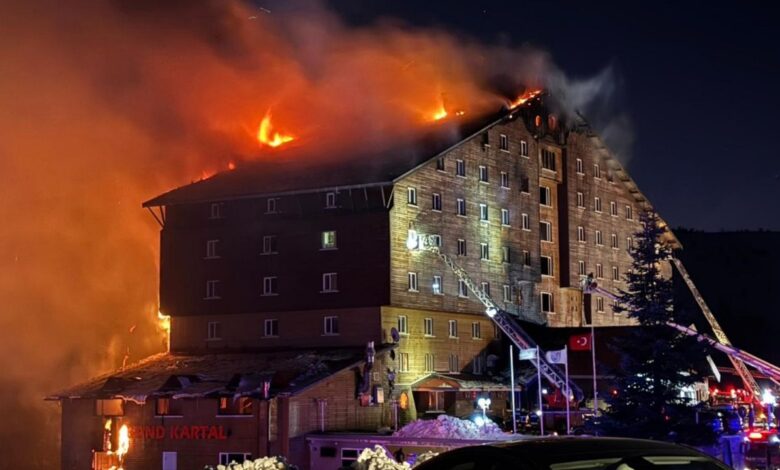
[227, 374]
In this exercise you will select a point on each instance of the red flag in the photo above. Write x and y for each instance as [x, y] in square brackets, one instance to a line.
[580, 342]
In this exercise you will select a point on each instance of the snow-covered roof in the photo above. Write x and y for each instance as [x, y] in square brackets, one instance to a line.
[460, 382]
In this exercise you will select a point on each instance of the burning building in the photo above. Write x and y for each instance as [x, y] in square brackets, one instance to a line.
[277, 274]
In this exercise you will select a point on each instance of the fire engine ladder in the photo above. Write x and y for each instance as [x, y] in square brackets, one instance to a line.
[503, 319]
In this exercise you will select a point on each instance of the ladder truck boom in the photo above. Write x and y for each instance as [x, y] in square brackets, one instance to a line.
[508, 325]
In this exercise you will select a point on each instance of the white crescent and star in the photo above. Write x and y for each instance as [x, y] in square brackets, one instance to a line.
[582, 341]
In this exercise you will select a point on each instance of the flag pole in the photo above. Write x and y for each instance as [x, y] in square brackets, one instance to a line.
[593, 357]
[568, 388]
[512, 376]
[539, 380]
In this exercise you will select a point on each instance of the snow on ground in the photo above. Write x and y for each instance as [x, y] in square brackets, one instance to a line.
[450, 427]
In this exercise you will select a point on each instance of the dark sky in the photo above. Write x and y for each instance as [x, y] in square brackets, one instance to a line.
[699, 81]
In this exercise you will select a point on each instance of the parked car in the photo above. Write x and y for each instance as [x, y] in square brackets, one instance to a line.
[574, 453]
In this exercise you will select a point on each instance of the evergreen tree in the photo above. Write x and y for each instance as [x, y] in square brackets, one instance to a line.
[657, 361]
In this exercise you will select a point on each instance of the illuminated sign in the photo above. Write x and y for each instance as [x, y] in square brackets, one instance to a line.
[178, 432]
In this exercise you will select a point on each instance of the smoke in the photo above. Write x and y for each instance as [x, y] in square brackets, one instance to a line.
[106, 104]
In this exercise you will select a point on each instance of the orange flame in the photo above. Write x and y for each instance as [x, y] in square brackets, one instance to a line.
[124, 443]
[525, 97]
[164, 324]
[264, 133]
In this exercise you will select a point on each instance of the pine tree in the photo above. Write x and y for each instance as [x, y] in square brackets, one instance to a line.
[657, 361]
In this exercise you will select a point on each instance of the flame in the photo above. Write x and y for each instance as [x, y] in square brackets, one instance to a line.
[231, 166]
[107, 426]
[525, 97]
[441, 111]
[264, 133]
[124, 442]
[164, 324]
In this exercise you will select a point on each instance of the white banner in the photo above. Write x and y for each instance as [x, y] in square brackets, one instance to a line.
[556, 357]
[527, 354]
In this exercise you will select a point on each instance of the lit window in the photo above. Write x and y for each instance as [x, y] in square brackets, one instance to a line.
[403, 362]
[463, 290]
[167, 407]
[453, 328]
[211, 249]
[269, 244]
[580, 200]
[330, 326]
[545, 231]
[403, 326]
[484, 251]
[526, 258]
[613, 240]
[507, 293]
[412, 278]
[580, 169]
[597, 204]
[436, 202]
[545, 197]
[110, 407]
[599, 271]
[486, 288]
[581, 267]
[596, 171]
[476, 330]
[581, 234]
[330, 282]
[504, 179]
[213, 330]
[328, 240]
[330, 200]
[483, 212]
[454, 364]
[460, 168]
[271, 205]
[271, 328]
[428, 326]
[212, 290]
[629, 212]
[436, 286]
[548, 159]
[411, 196]
[599, 238]
[525, 222]
[216, 210]
[615, 273]
[429, 365]
[228, 406]
[440, 164]
[600, 304]
[505, 254]
[523, 148]
[483, 174]
[613, 209]
[503, 142]
[547, 302]
[461, 207]
[461, 247]
[270, 285]
[547, 266]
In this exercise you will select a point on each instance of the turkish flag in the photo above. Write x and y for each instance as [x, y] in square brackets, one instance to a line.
[580, 342]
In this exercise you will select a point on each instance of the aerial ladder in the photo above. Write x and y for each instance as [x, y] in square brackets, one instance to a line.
[721, 342]
[504, 320]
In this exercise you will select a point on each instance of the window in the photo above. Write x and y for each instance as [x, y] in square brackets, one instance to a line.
[212, 290]
[454, 363]
[328, 240]
[547, 302]
[545, 231]
[581, 234]
[436, 240]
[526, 258]
[485, 139]
[461, 207]
[440, 164]
[238, 457]
[330, 200]
[629, 212]
[403, 326]
[228, 406]
[476, 330]
[505, 255]
[507, 292]
[599, 271]
[429, 362]
[428, 326]
[167, 407]
[270, 285]
[599, 238]
[330, 282]
[460, 168]
[213, 330]
[453, 328]
[596, 171]
[613, 240]
[580, 200]
[330, 326]
[629, 244]
[411, 196]
[484, 251]
[580, 170]
[547, 266]
[483, 174]
[505, 217]
[412, 278]
[271, 328]
[581, 267]
[523, 148]
[110, 407]
[599, 304]
[503, 142]
[269, 245]
[613, 209]
[597, 204]
[525, 186]
[271, 205]
[548, 160]
[461, 247]
[615, 273]
[525, 222]
[211, 249]
[216, 210]
[436, 286]
[486, 288]
[436, 202]
[545, 198]
[483, 212]
[463, 290]
[504, 179]
[403, 362]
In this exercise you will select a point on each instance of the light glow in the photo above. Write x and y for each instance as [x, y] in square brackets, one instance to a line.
[413, 240]
[491, 312]
[267, 136]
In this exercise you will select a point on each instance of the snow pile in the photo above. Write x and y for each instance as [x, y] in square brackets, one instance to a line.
[425, 456]
[449, 427]
[265, 463]
[377, 459]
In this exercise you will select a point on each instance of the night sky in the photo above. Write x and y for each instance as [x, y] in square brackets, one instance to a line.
[698, 80]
